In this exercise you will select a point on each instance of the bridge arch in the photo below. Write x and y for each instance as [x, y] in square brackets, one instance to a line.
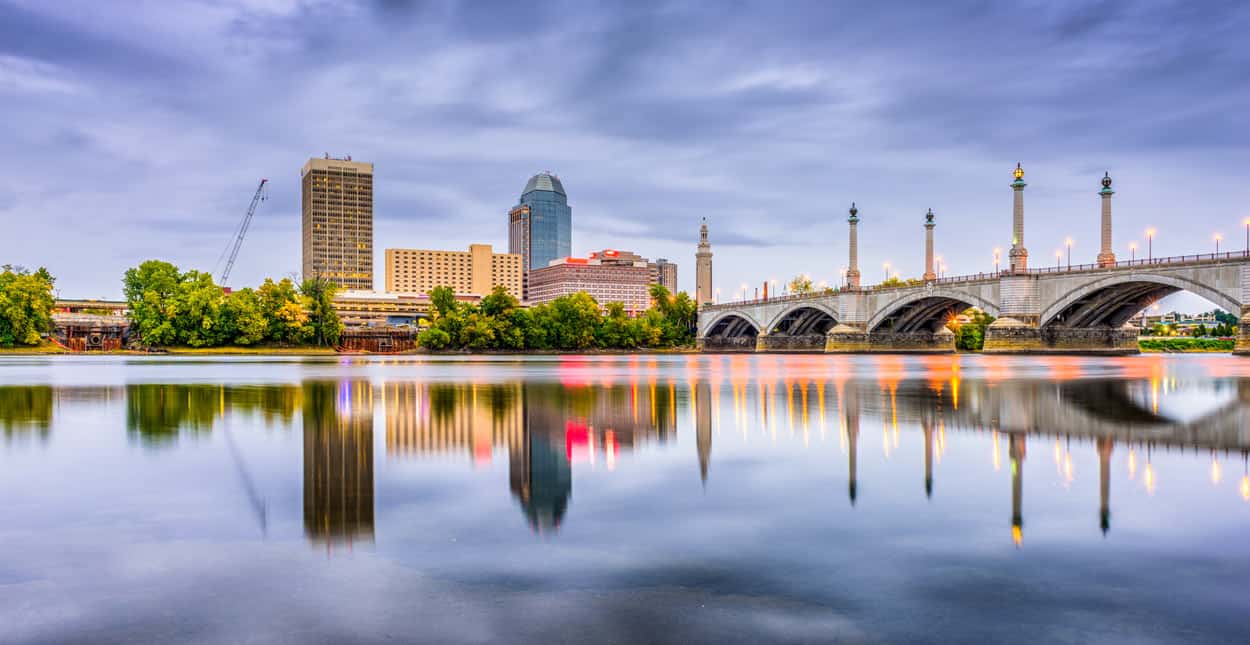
[1113, 300]
[925, 309]
[732, 324]
[803, 319]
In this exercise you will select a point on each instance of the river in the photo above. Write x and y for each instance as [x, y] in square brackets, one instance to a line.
[662, 499]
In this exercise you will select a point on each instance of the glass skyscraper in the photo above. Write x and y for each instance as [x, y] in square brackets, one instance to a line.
[540, 226]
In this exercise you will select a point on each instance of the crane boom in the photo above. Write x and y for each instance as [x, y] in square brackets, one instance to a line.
[238, 240]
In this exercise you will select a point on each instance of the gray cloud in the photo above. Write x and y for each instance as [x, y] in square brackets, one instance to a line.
[144, 132]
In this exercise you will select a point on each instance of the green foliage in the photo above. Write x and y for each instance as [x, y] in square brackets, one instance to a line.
[26, 303]
[573, 322]
[318, 300]
[1225, 318]
[894, 281]
[170, 308]
[1184, 344]
[970, 336]
[801, 285]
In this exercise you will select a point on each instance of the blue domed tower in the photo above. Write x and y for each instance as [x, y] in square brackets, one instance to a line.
[540, 226]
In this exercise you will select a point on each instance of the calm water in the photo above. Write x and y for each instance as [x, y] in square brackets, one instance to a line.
[625, 499]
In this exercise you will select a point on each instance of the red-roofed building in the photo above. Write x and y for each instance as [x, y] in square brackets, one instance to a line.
[608, 276]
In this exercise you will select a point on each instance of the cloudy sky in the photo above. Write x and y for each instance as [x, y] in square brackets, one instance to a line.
[136, 130]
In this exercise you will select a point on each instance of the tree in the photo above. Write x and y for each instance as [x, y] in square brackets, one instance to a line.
[243, 319]
[318, 301]
[574, 319]
[281, 305]
[151, 290]
[970, 336]
[26, 304]
[801, 285]
[434, 338]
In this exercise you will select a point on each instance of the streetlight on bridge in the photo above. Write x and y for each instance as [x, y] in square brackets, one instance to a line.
[1132, 248]
[887, 270]
[1247, 223]
[1058, 259]
[1217, 237]
[1068, 242]
[999, 252]
[1150, 245]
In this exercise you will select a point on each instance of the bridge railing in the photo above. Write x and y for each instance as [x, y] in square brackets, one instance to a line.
[1143, 262]
[973, 277]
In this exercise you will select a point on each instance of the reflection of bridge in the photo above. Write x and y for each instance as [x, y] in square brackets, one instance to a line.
[1072, 309]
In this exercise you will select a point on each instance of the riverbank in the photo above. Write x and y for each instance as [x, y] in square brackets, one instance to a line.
[1182, 344]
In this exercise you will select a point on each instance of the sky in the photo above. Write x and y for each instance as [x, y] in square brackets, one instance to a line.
[137, 130]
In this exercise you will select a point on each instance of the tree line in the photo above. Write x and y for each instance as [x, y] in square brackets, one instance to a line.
[572, 322]
[169, 307]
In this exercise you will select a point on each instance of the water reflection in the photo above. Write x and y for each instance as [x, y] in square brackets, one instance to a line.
[549, 429]
[25, 411]
[338, 462]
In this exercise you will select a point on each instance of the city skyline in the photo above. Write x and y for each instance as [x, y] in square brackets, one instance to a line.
[894, 111]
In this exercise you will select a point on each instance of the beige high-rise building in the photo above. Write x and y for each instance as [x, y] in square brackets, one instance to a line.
[664, 273]
[474, 272]
[337, 200]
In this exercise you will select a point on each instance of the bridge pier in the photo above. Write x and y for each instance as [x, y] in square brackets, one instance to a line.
[801, 343]
[941, 341]
[847, 339]
[1012, 336]
[1242, 347]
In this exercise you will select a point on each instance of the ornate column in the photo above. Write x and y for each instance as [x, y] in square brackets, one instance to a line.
[1106, 257]
[1018, 255]
[928, 246]
[852, 271]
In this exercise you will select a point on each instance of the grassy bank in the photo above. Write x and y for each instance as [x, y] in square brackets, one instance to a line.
[40, 349]
[1184, 344]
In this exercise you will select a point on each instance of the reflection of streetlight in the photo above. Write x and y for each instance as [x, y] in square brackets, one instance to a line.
[1150, 245]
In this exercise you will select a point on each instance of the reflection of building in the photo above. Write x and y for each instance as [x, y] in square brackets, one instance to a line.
[1016, 451]
[850, 402]
[703, 426]
[475, 272]
[1105, 446]
[338, 461]
[540, 226]
[337, 200]
[426, 418]
[541, 479]
[608, 276]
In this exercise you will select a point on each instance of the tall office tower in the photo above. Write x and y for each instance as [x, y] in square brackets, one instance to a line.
[664, 273]
[540, 226]
[337, 203]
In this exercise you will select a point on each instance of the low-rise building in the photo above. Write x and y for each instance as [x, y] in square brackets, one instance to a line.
[376, 309]
[474, 272]
[608, 276]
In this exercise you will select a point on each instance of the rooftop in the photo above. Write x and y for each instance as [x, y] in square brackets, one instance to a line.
[544, 181]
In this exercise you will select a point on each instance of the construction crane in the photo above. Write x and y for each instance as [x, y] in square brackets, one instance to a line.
[259, 197]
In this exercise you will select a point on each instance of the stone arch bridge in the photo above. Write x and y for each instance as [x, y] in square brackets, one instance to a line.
[1081, 309]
